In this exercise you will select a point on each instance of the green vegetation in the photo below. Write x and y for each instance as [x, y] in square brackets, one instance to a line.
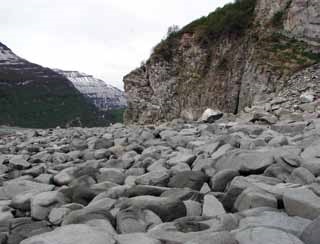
[33, 107]
[277, 19]
[166, 47]
[233, 18]
[43, 100]
[114, 115]
[287, 53]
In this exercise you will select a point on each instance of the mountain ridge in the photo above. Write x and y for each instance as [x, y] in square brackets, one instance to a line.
[103, 95]
[35, 96]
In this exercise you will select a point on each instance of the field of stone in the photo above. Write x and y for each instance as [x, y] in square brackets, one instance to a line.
[176, 182]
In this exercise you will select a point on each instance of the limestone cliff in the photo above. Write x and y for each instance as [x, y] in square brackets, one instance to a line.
[229, 60]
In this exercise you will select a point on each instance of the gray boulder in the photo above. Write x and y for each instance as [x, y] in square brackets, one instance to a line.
[136, 238]
[18, 162]
[289, 129]
[22, 228]
[193, 208]
[254, 198]
[311, 159]
[275, 219]
[101, 143]
[13, 188]
[182, 157]
[154, 178]
[302, 176]
[212, 206]
[302, 202]
[42, 203]
[79, 144]
[264, 235]
[214, 238]
[64, 177]
[72, 234]
[133, 220]
[60, 158]
[311, 234]
[192, 228]
[221, 179]
[210, 116]
[248, 162]
[167, 209]
[82, 216]
[111, 174]
[191, 179]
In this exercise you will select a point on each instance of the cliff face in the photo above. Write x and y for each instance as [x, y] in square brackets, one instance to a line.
[229, 70]
[34, 96]
[101, 94]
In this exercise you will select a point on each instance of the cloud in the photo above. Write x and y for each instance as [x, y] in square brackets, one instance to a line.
[105, 38]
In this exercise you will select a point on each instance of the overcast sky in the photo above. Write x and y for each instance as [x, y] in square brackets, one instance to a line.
[104, 38]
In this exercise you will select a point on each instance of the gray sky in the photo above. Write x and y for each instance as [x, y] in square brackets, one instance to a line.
[104, 38]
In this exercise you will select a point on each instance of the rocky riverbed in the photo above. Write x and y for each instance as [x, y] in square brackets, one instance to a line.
[227, 182]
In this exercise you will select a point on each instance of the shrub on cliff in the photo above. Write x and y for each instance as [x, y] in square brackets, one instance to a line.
[167, 44]
[233, 18]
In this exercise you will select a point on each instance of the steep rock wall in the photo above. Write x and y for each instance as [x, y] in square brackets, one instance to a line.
[235, 71]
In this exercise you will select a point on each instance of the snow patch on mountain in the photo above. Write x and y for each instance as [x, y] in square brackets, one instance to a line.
[7, 56]
[101, 94]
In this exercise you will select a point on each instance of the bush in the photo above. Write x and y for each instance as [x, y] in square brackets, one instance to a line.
[233, 18]
[172, 30]
[166, 46]
[292, 51]
[114, 115]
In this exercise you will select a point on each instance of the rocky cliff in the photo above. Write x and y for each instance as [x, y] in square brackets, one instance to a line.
[34, 96]
[239, 56]
[101, 94]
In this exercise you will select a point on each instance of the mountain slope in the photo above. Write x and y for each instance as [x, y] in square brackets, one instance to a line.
[240, 55]
[34, 96]
[102, 95]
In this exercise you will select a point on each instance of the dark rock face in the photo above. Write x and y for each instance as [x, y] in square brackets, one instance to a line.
[230, 73]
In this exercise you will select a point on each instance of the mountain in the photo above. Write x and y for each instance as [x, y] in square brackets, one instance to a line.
[238, 57]
[35, 96]
[101, 94]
